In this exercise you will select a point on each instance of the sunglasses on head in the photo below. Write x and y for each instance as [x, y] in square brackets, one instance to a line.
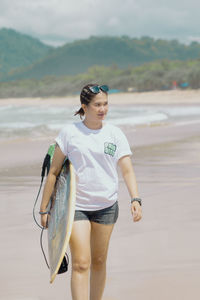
[97, 88]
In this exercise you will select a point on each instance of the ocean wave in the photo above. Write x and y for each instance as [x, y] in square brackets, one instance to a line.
[182, 111]
[36, 121]
[27, 132]
[139, 120]
[16, 125]
[4, 108]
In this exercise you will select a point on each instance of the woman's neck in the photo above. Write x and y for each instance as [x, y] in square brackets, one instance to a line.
[93, 124]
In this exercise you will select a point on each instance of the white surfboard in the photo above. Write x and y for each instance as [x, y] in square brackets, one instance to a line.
[60, 222]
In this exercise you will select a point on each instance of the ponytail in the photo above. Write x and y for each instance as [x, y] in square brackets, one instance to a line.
[80, 112]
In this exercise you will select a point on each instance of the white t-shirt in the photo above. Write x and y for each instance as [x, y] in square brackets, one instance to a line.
[94, 155]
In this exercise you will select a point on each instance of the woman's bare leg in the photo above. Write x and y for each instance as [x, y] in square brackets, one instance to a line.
[100, 237]
[80, 251]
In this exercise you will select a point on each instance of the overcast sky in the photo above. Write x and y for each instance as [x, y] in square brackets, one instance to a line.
[59, 21]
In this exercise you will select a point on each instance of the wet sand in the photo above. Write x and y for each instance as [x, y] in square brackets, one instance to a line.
[156, 258]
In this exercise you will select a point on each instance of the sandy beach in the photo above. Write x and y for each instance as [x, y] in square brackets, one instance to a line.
[186, 97]
[154, 259]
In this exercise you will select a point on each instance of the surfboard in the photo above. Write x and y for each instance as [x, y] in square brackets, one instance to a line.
[60, 221]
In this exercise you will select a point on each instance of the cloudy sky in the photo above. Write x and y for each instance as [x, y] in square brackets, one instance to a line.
[59, 21]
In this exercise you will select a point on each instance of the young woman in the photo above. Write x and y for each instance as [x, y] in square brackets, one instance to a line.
[95, 149]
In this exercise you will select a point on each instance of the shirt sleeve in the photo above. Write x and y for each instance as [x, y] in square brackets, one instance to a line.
[62, 140]
[123, 147]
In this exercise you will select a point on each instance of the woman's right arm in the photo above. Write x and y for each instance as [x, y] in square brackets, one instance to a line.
[56, 166]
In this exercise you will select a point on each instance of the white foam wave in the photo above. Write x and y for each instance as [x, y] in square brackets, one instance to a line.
[180, 111]
[139, 120]
[43, 121]
[17, 125]
[6, 107]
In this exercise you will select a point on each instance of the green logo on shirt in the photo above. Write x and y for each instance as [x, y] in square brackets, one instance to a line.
[110, 148]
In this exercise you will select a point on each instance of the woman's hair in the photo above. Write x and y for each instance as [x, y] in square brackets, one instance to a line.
[86, 97]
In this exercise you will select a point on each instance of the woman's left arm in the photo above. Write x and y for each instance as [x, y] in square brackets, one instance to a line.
[128, 174]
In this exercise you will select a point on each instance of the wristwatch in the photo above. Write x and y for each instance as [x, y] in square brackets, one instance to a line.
[139, 200]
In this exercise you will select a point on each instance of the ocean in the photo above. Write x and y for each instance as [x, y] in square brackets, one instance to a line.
[35, 122]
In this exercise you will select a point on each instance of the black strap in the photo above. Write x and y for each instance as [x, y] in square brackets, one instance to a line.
[46, 165]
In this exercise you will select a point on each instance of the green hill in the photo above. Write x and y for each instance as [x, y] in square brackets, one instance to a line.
[19, 50]
[76, 57]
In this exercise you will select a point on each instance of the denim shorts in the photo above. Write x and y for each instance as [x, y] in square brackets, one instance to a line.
[107, 215]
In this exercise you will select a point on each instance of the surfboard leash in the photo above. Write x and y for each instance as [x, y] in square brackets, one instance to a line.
[45, 170]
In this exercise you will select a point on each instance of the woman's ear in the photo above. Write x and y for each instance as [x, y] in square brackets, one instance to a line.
[83, 107]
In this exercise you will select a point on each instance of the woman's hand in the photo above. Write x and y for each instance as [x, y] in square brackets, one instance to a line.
[44, 220]
[136, 211]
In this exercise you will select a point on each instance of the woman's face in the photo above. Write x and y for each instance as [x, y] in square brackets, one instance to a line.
[97, 109]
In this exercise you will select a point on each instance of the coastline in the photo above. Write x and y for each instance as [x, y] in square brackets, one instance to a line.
[171, 97]
[27, 152]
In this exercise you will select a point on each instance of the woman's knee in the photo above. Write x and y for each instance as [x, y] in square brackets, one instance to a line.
[81, 265]
[99, 262]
